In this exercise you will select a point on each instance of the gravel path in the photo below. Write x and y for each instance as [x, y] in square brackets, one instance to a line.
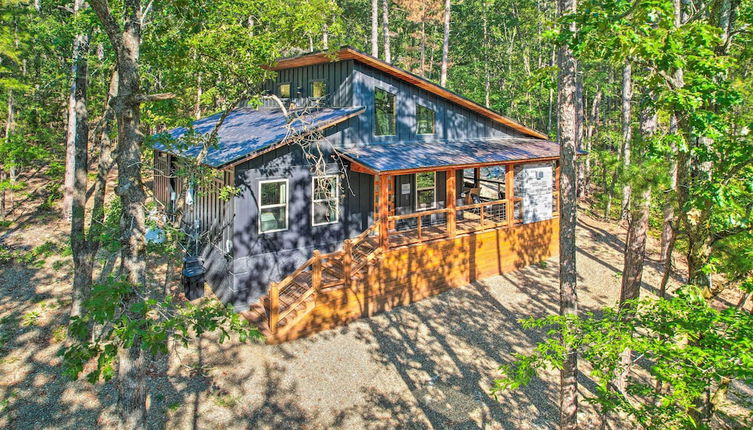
[428, 365]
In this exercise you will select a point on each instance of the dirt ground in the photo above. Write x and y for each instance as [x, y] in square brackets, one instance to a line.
[428, 365]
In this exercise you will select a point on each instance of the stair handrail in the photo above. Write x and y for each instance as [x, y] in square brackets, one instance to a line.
[315, 263]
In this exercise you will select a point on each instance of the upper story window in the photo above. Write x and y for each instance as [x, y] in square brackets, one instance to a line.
[384, 113]
[283, 91]
[318, 89]
[273, 205]
[424, 119]
[426, 190]
[325, 201]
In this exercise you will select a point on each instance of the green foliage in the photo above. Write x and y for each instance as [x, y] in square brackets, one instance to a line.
[684, 350]
[146, 322]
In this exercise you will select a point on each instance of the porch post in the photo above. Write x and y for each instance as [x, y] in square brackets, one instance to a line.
[510, 193]
[383, 210]
[451, 201]
[476, 177]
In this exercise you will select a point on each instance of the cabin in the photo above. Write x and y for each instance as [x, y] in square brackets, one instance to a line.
[360, 187]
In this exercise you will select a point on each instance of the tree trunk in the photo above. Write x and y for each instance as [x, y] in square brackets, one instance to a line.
[84, 265]
[445, 44]
[10, 125]
[627, 134]
[486, 59]
[579, 120]
[80, 48]
[325, 37]
[375, 28]
[79, 138]
[386, 30]
[130, 189]
[592, 123]
[567, 134]
[423, 49]
[635, 248]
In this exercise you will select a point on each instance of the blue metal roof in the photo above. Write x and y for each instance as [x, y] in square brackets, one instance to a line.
[406, 156]
[247, 130]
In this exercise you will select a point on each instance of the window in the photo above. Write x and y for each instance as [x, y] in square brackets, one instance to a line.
[318, 89]
[424, 120]
[273, 205]
[426, 190]
[284, 91]
[325, 200]
[384, 115]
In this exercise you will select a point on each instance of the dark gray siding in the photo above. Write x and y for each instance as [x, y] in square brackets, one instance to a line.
[337, 75]
[260, 258]
[452, 122]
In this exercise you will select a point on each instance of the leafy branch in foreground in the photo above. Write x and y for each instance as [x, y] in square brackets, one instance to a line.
[685, 355]
[107, 327]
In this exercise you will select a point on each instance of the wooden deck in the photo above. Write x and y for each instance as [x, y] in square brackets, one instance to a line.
[406, 273]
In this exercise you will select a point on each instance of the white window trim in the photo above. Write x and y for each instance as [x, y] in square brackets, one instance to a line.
[287, 209]
[336, 199]
[415, 186]
[433, 124]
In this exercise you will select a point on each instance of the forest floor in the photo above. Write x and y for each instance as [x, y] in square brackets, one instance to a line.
[427, 365]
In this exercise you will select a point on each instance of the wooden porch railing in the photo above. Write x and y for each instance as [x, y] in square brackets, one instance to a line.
[309, 278]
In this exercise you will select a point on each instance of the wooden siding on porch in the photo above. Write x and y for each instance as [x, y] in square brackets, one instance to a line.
[407, 274]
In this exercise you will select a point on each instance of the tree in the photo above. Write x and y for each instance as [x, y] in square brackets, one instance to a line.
[386, 30]
[445, 44]
[627, 133]
[670, 388]
[77, 130]
[567, 136]
[375, 28]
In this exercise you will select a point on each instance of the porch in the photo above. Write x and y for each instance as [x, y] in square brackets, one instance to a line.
[473, 235]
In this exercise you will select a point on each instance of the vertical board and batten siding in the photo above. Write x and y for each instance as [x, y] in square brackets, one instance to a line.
[215, 217]
[337, 76]
[452, 122]
[260, 258]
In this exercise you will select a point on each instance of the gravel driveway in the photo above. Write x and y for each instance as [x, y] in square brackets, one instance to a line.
[427, 365]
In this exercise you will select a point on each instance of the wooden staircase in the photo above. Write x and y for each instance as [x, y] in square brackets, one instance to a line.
[292, 298]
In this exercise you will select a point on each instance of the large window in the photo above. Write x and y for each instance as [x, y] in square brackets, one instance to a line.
[426, 190]
[424, 119]
[384, 116]
[318, 89]
[325, 200]
[273, 205]
[283, 91]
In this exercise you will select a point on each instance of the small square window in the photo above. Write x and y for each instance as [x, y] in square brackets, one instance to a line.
[283, 91]
[385, 113]
[325, 201]
[273, 205]
[424, 120]
[318, 89]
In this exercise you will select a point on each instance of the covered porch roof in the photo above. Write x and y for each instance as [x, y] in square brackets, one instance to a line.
[422, 156]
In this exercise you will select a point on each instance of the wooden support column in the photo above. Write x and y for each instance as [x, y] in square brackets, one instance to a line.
[451, 201]
[348, 262]
[274, 306]
[383, 210]
[476, 177]
[510, 193]
[316, 271]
